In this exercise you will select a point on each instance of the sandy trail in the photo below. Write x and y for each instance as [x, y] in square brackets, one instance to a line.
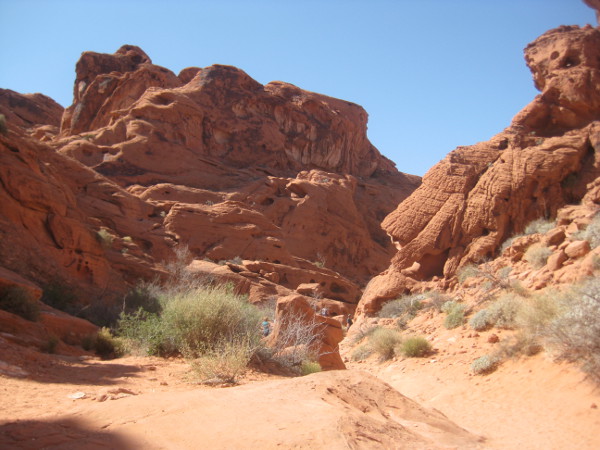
[151, 404]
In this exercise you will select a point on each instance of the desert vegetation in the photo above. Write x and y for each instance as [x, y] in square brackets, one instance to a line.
[19, 301]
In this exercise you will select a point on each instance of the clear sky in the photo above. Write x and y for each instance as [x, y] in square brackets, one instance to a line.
[432, 74]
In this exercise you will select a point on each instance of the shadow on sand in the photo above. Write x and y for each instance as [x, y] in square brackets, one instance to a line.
[65, 433]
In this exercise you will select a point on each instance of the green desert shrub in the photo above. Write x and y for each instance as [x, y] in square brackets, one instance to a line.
[455, 314]
[195, 321]
[481, 320]
[19, 301]
[504, 311]
[537, 255]
[50, 345]
[384, 341]
[60, 296]
[308, 367]
[104, 344]
[361, 352]
[541, 226]
[223, 364]
[405, 306]
[591, 233]
[575, 332]
[485, 364]
[145, 296]
[415, 347]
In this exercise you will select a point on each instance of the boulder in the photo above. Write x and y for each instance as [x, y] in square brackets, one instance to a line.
[295, 310]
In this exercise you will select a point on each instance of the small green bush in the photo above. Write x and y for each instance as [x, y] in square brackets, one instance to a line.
[504, 311]
[196, 320]
[481, 321]
[575, 332]
[361, 352]
[19, 301]
[50, 345]
[456, 314]
[384, 341]
[308, 367]
[537, 255]
[415, 347]
[145, 296]
[406, 306]
[104, 344]
[541, 226]
[485, 364]
[223, 364]
[466, 272]
[60, 296]
[591, 233]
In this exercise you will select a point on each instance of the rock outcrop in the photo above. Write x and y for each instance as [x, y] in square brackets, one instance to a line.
[239, 169]
[62, 222]
[273, 188]
[480, 195]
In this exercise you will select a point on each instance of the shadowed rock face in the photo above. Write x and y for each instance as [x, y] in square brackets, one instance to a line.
[480, 195]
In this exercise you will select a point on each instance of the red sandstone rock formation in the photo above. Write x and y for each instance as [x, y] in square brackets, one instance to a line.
[240, 169]
[294, 310]
[52, 210]
[34, 113]
[279, 183]
[480, 195]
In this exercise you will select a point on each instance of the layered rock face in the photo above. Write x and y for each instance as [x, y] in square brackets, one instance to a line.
[480, 195]
[272, 187]
[267, 173]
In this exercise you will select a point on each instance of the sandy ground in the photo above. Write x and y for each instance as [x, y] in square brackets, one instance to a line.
[52, 401]
[152, 403]
[527, 403]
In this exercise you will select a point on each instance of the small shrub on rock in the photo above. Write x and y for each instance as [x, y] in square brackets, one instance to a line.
[541, 226]
[415, 347]
[17, 300]
[591, 233]
[406, 306]
[537, 255]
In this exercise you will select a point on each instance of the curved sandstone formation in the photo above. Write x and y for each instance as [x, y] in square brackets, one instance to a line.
[480, 195]
[264, 173]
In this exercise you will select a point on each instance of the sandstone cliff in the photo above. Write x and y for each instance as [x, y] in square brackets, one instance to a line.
[480, 195]
[280, 182]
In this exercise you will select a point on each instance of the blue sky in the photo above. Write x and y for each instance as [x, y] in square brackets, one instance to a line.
[432, 74]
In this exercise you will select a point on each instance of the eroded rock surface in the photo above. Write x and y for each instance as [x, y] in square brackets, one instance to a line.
[480, 195]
